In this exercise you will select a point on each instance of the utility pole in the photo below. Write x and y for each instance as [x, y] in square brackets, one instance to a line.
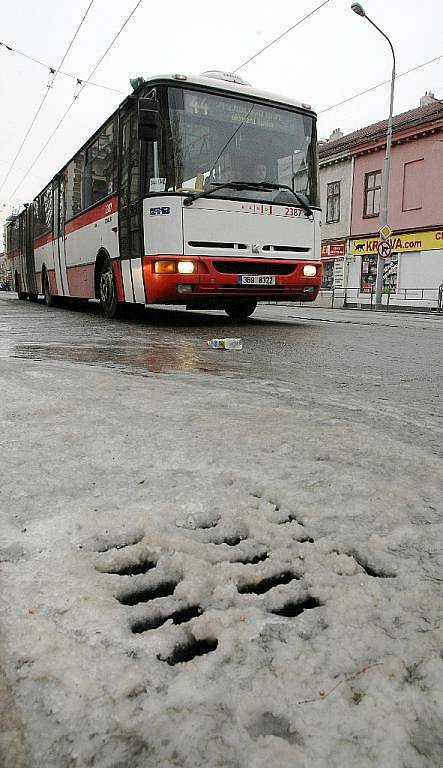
[385, 230]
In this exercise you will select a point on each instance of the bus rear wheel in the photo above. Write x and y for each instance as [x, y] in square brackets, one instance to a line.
[17, 287]
[107, 290]
[50, 299]
[240, 310]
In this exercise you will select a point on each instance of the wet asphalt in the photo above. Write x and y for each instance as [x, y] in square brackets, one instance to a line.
[375, 368]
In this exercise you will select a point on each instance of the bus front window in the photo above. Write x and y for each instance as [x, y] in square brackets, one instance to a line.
[211, 139]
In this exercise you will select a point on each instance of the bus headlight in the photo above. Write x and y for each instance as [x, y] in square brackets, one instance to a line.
[186, 267]
[309, 270]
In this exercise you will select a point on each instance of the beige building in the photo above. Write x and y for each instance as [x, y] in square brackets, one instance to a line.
[336, 175]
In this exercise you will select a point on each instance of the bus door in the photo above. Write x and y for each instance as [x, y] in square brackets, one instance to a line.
[21, 252]
[29, 251]
[129, 207]
[58, 235]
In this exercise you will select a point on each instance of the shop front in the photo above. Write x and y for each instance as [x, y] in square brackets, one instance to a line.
[413, 269]
[369, 273]
[333, 256]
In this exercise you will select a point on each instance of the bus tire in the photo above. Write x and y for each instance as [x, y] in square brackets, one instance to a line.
[108, 290]
[50, 299]
[17, 287]
[240, 310]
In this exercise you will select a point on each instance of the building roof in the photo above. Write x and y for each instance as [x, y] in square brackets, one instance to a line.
[411, 119]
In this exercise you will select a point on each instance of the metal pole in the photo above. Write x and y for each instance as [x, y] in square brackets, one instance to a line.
[357, 8]
[387, 168]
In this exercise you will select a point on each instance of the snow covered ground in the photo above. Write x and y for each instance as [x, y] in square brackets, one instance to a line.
[213, 573]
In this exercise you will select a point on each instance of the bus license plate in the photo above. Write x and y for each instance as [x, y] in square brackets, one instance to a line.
[256, 279]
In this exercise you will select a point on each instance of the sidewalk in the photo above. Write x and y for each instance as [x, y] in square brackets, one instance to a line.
[200, 571]
[328, 300]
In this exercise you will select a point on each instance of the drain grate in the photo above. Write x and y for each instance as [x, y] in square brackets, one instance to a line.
[231, 541]
[291, 518]
[188, 651]
[208, 524]
[252, 559]
[294, 608]
[181, 616]
[134, 569]
[376, 574]
[145, 594]
[260, 587]
[105, 542]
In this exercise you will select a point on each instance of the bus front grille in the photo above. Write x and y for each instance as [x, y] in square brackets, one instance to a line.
[252, 268]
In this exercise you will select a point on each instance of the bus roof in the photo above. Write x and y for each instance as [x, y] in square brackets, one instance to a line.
[226, 85]
[213, 83]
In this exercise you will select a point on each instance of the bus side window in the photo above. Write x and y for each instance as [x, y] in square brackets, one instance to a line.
[43, 212]
[100, 166]
[74, 193]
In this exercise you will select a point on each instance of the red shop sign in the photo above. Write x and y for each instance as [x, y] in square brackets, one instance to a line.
[333, 250]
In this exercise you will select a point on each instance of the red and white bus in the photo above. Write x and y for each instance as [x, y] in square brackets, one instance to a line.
[197, 191]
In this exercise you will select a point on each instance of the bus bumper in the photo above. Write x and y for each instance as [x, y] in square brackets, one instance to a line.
[214, 281]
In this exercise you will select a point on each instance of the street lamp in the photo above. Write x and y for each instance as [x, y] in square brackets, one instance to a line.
[384, 228]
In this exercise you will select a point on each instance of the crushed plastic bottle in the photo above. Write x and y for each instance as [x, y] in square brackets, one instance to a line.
[225, 344]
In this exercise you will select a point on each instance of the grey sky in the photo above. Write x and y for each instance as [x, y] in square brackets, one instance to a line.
[331, 56]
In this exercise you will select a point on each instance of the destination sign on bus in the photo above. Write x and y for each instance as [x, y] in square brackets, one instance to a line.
[236, 111]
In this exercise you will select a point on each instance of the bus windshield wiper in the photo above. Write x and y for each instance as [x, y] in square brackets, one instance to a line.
[260, 185]
[215, 187]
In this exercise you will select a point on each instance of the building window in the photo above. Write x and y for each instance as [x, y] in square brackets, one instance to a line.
[413, 185]
[372, 193]
[369, 273]
[390, 274]
[327, 282]
[333, 202]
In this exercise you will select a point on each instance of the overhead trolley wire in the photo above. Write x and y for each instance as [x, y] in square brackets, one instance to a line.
[73, 39]
[53, 75]
[60, 72]
[110, 46]
[355, 95]
[379, 85]
[283, 34]
[83, 86]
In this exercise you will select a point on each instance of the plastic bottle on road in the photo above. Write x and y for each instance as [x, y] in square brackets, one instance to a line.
[225, 344]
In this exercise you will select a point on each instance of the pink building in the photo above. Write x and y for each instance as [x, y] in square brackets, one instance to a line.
[414, 270]
[416, 176]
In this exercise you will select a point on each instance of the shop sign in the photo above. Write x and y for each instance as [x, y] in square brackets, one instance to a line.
[333, 250]
[339, 273]
[411, 241]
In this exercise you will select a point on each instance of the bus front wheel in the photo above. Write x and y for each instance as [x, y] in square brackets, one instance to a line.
[108, 291]
[240, 310]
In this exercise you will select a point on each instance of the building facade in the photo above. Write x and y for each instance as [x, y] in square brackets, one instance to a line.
[413, 271]
[336, 174]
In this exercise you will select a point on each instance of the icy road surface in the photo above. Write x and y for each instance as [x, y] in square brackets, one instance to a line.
[236, 561]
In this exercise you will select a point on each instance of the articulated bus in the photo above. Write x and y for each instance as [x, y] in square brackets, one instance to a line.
[199, 191]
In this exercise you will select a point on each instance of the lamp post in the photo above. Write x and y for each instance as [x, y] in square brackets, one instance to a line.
[384, 228]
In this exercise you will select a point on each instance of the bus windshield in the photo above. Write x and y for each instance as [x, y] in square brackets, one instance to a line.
[211, 139]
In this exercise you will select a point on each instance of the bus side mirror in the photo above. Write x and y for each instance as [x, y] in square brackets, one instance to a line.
[147, 124]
